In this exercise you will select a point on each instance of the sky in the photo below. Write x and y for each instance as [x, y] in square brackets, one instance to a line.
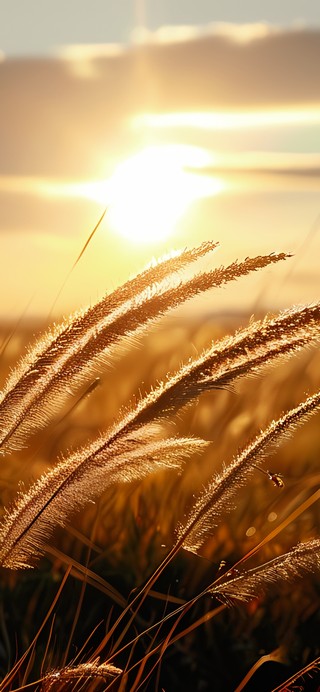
[35, 27]
[190, 120]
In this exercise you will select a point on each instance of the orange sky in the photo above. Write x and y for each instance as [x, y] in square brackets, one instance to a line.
[219, 131]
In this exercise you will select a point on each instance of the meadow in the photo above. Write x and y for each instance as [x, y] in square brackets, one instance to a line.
[172, 527]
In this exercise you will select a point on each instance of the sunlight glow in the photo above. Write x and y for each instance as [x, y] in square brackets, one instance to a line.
[147, 193]
[150, 191]
[229, 120]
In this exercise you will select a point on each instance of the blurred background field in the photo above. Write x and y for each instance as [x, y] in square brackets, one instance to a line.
[131, 527]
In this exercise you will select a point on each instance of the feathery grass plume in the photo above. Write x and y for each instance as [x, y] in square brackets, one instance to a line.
[30, 402]
[308, 671]
[302, 559]
[84, 676]
[224, 362]
[251, 348]
[32, 393]
[81, 478]
[216, 497]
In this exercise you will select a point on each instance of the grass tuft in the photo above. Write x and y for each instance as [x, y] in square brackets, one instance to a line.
[82, 471]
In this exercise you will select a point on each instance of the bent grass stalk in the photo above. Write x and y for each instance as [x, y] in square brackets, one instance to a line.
[134, 446]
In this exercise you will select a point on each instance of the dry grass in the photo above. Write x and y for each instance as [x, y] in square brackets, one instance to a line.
[244, 513]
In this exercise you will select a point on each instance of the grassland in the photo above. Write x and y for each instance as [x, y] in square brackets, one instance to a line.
[110, 548]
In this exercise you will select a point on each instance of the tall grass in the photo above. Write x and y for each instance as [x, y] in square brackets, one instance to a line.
[55, 378]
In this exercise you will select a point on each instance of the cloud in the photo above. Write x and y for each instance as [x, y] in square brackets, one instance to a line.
[55, 122]
[235, 67]
[81, 60]
[245, 33]
[220, 121]
[166, 34]
[239, 33]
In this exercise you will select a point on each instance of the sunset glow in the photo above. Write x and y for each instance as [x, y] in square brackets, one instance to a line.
[150, 191]
[228, 120]
[184, 130]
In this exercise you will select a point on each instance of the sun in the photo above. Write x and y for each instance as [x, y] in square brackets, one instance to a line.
[150, 191]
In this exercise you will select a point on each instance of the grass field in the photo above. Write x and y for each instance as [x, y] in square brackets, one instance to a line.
[110, 548]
